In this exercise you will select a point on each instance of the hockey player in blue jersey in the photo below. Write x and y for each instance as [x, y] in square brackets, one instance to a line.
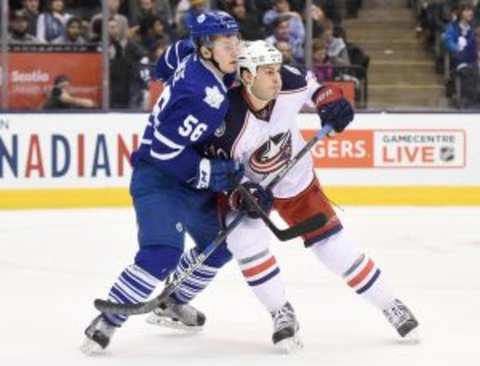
[173, 186]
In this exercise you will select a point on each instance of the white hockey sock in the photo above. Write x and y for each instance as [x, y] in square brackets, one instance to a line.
[132, 286]
[263, 276]
[360, 272]
[196, 282]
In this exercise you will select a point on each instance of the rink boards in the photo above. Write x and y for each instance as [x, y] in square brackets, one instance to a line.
[81, 160]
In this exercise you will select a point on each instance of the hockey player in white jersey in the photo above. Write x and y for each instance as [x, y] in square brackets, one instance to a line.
[260, 132]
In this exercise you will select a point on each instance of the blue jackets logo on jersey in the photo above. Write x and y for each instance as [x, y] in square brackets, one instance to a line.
[273, 154]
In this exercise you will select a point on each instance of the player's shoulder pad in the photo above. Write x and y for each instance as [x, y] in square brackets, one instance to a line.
[171, 58]
[293, 78]
[200, 97]
[203, 83]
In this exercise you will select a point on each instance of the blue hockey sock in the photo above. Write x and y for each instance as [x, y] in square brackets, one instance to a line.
[196, 282]
[132, 286]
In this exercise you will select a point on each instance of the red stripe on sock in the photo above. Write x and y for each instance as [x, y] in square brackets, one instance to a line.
[362, 275]
[260, 268]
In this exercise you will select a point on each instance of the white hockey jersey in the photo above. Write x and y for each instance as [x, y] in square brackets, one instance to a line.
[264, 141]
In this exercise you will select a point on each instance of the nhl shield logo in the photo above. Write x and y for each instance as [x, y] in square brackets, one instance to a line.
[273, 154]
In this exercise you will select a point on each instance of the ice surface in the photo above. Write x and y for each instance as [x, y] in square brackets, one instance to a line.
[54, 263]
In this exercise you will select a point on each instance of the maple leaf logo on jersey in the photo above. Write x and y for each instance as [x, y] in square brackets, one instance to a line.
[273, 154]
[214, 98]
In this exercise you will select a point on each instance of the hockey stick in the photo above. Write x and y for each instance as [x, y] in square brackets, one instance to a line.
[306, 226]
[106, 306]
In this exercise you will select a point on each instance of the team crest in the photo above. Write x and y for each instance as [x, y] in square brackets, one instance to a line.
[213, 97]
[273, 154]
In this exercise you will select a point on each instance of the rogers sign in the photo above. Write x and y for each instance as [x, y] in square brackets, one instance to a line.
[391, 149]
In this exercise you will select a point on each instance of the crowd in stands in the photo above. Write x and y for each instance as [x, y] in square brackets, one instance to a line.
[451, 29]
[140, 30]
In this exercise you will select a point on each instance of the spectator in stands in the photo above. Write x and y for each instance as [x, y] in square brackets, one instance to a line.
[336, 46]
[295, 23]
[138, 9]
[331, 8]
[459, 38]
[19, 29]
[72, 33]
[142, 9]
[60, 97]
[250, 28]
[226, 5]
[152, 30]
[51, 24]
[281, 33]
[96, 30]
[32, 10]
[122, 21]
[286, 51]
[319, 19]
[126, 84]
[321, 65]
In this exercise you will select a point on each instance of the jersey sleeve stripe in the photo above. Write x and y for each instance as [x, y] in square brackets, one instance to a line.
[176, 53]
[167, 55]
[166, 141]
[165, 156]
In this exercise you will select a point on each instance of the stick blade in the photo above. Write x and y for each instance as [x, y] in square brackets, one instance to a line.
[311, 224]
[110, 307]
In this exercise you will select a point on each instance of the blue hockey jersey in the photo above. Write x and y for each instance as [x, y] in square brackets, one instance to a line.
[191, 107]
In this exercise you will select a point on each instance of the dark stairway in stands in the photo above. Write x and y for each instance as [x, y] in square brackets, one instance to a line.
[401, 73]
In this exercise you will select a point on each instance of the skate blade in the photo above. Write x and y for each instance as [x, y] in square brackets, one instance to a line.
[290, 345]
[172, 324]
[91, 348]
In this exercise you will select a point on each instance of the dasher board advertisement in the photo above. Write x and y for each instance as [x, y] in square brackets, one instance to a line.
[422, 158]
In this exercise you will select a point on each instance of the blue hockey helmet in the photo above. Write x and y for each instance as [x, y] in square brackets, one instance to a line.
[211, 23]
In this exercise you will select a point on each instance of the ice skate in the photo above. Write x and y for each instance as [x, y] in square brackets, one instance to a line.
[98, 335]
[285, 330]
[177, 316]
[402, 319]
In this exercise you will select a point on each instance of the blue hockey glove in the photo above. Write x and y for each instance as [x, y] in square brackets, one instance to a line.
[218, 175]
[263, 196]
[333, 108]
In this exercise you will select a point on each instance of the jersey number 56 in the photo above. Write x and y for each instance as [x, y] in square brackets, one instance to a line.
[192, 128]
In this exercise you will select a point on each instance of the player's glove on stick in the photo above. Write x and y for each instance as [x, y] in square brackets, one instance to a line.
[263, 196]
[218, 175]
[333, 108]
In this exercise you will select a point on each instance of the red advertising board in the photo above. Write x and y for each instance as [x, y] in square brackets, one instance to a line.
[31, 76]
[394, 149]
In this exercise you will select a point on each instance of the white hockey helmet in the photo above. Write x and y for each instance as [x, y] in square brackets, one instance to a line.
[257, 53]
